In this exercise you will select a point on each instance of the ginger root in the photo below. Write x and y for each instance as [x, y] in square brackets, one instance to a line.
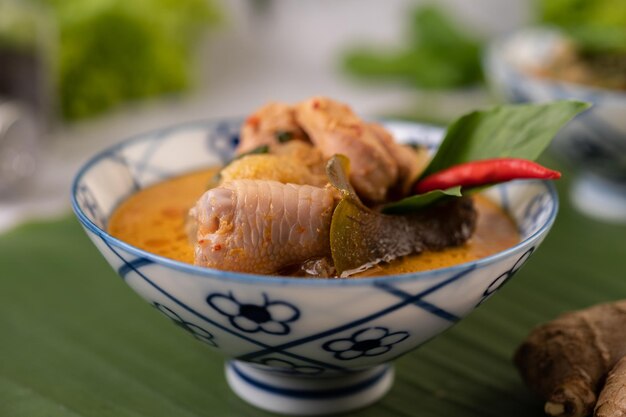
[566, 361]
[612, 400]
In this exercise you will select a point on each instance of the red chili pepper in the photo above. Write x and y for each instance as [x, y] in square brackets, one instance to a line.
[487, 171]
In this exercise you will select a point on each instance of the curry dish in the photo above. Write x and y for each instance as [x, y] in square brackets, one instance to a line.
[313, 191]
[154, 220]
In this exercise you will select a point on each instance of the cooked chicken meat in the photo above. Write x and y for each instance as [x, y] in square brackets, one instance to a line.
[270, 211]
[259, 226]
[411, 162]
[272, 124]
[281, 168]
[294, 162]
[335, 129]
[379, 165]
[305, 153]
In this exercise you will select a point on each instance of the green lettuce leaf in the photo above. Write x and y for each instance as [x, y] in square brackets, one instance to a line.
[113, 51]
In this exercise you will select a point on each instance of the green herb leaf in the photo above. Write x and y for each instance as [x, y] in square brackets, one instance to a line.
[256, 151]
[518, 131]
[283, 136]
[361, 237]
[417, 202]
[337, 170]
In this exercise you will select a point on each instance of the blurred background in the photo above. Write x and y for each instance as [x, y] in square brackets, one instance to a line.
[78, 75]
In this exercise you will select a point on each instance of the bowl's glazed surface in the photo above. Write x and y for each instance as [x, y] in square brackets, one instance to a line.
[301, 345]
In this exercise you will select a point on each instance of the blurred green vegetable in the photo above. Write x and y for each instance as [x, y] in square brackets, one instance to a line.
[113, 51]
[595, 26]
[438, 55]
[19, 24]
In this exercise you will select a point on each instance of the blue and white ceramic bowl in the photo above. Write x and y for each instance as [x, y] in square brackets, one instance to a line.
[595, 141]
[295, 345]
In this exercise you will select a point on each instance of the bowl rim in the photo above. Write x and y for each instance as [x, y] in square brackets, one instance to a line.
[495, 52]
[277, 279]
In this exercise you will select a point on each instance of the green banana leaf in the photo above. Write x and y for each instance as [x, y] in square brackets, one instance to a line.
[75, 341]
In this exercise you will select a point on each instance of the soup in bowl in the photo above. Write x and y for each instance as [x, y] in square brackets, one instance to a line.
[296, 345]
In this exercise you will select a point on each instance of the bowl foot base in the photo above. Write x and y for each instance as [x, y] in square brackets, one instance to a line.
[599, 198]
[308, 395]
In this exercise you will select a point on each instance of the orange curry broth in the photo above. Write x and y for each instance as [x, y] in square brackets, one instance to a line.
[154, 220]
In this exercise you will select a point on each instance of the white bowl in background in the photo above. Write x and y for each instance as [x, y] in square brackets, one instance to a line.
[594, 142]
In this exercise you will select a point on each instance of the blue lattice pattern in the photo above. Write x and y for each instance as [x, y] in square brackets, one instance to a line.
[294, 326]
